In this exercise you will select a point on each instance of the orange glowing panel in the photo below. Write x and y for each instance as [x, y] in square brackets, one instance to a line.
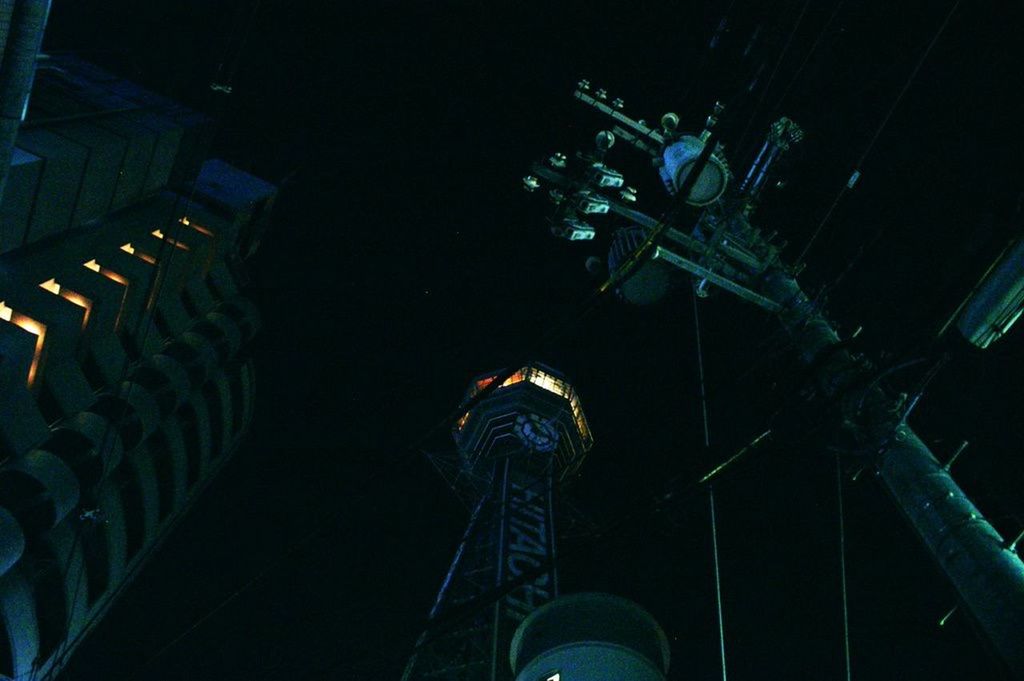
[198, 228]
[145, 257]
[115, 277]
[32, 326]
[174, 242]
[39, 330]
[78, 299]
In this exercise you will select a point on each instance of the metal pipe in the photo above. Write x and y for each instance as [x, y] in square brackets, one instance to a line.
[20, 43]
[988, 577]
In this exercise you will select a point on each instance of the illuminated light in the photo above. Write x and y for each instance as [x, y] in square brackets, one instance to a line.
[174, 242]
[115, 277]
[145, 257]
[198, 228]
[554, 677]
[39, 330]
[32, 326]
[545, 381]
[74, 297]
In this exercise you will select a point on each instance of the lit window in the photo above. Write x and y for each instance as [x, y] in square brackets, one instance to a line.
[545, 381]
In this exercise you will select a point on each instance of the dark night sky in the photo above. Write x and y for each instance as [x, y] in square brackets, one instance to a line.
[405, 259]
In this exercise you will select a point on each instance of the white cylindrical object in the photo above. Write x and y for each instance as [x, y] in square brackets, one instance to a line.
[591, 636]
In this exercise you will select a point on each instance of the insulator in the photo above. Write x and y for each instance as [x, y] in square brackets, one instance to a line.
[583, 85]
[531, 183]
[591, 204]
[573, 229]
[603, 176]
[617, 103]
[601, 94]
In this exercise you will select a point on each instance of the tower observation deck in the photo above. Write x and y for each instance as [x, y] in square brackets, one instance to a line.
[515, 446]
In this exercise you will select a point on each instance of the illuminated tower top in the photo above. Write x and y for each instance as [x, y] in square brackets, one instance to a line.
[535, 410]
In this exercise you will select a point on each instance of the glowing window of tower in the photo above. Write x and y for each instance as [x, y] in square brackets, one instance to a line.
[32, 326]
[67, 294]
[145, 257]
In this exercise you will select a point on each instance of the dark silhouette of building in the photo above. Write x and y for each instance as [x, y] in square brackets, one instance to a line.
[125, 377]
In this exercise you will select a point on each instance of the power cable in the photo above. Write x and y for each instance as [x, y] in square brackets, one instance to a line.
[718, 578]
[771, 78]
[878, 131]
[807, 58]
[842, 566]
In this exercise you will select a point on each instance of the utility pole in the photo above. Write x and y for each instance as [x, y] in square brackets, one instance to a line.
[723, 248]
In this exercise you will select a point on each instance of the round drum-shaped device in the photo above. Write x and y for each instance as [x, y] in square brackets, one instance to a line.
[592, 636]
[650, 281]
[679, 159]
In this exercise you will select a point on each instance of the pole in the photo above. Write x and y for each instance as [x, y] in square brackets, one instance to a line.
[987, 576]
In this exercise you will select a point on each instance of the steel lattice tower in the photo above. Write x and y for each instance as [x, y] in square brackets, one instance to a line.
[514, 446]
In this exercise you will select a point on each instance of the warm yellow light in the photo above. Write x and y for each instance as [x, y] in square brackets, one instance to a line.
[198, 228]
[545, 381]
[92, 265]
[32, 326]
[174, 242]
[39, 330]
[113, 276]
[78, 299]
[145, 257]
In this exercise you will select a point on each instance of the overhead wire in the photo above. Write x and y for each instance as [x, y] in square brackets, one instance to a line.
[877, 133]
[771, 78]
[842, 567]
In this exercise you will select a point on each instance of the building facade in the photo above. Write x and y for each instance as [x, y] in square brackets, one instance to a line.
[126, 380]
